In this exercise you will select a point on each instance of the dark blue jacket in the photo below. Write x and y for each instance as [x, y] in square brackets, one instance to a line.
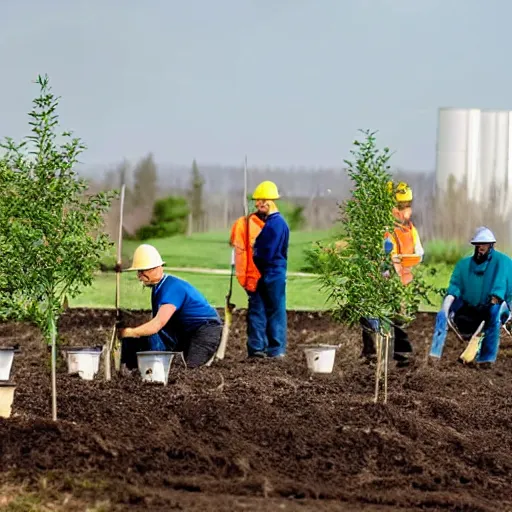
[270, 252]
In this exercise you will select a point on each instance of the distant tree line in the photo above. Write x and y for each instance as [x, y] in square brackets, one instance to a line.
[165, 201]
[150, 212]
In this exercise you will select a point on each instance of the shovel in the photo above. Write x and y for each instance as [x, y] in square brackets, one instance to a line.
[228, 317]
[114, 345]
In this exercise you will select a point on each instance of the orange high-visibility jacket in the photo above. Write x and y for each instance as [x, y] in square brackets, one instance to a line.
[246, 271]
[406, 240]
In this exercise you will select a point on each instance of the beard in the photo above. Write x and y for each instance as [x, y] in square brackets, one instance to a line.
[479, 257]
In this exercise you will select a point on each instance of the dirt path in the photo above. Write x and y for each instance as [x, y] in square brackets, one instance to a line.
[226, 272]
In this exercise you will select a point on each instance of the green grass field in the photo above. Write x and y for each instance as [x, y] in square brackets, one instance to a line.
[303, 292]
[211, 251]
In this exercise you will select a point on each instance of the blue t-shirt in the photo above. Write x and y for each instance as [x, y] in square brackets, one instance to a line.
[192, 308]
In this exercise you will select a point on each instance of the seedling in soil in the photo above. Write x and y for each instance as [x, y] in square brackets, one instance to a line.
[359, 275]
[51, 235]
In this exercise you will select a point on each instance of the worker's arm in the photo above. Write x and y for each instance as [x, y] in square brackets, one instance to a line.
[418, 247]
[500, 284]
[155, 325]
[455, 286]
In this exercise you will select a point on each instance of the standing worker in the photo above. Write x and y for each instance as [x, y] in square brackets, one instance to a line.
[479, 291]
[243, 235]
[267, 323]
[183, 320]
[404, 240]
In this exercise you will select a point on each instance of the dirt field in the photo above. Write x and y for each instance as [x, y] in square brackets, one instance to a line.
[259, 435]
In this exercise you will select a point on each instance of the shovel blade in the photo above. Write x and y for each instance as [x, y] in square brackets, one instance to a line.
[116, 353]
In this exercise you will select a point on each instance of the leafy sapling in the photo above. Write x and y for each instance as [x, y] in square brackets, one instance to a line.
[53, 241]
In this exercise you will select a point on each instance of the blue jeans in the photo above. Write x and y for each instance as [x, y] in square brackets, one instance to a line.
[130, 347]
[266, 317]
[198, 346]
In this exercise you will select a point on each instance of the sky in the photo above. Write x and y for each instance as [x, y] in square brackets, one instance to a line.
[287, 82]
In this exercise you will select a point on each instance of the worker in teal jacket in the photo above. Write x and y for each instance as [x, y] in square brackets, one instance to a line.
[479, 290]
[267, 304]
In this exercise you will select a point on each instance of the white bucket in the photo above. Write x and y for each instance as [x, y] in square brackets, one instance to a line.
[6, 358]
[154, 365]
[320, 358]
[84, 361]
[6, 399]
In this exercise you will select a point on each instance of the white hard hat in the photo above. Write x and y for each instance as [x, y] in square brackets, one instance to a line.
[483, 235]
[146, 257]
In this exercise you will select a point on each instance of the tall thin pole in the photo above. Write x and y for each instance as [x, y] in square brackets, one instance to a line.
[53, 332]
[246, 206]
[110, 346]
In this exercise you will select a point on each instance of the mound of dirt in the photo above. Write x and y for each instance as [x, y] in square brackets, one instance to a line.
[265, 434]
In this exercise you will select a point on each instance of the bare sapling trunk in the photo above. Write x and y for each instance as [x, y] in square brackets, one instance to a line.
[53, 338]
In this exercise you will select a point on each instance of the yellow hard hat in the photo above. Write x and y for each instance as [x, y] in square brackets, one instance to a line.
[403, 193]
[146, 257]
[266, 190]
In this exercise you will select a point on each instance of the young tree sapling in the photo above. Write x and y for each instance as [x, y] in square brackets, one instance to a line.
[53, 242]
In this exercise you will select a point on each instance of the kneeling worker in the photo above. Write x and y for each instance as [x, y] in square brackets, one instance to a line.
[477, 301]
[183, 320]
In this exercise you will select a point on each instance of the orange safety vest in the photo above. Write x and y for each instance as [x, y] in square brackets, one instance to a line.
[246, 271]
[405, 240]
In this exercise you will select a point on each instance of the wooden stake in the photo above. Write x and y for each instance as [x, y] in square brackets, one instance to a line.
[54, 368]
[378, 338]
[111, 343]
[386, 356]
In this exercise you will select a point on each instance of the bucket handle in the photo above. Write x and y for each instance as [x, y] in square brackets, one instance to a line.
[182, 357]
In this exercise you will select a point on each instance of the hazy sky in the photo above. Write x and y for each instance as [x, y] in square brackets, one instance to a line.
[289, 82]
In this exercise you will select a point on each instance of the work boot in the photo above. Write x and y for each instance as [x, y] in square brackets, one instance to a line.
[258, 354]
[402, 360]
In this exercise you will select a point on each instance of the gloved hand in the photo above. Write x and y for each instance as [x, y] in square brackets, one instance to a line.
[447, 304]
[388, 246]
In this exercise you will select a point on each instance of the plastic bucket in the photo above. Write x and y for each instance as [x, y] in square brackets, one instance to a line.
[6, 399]
[84, 360]
[6, 359]
[320, 358]
[154, 365]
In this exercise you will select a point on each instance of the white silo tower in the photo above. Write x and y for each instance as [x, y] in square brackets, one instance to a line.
[458, 149]
[496, 154]
[476, 145]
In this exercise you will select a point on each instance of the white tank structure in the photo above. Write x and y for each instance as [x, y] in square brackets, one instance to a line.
[476, 145]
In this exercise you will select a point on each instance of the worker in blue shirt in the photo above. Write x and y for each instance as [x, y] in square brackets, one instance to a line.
[267, 323]
[183, 320]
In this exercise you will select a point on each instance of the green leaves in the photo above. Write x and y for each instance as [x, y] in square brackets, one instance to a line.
[51, 235]
[357, 273]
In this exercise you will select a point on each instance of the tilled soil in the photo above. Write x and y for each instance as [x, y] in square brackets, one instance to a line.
[263, 435]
